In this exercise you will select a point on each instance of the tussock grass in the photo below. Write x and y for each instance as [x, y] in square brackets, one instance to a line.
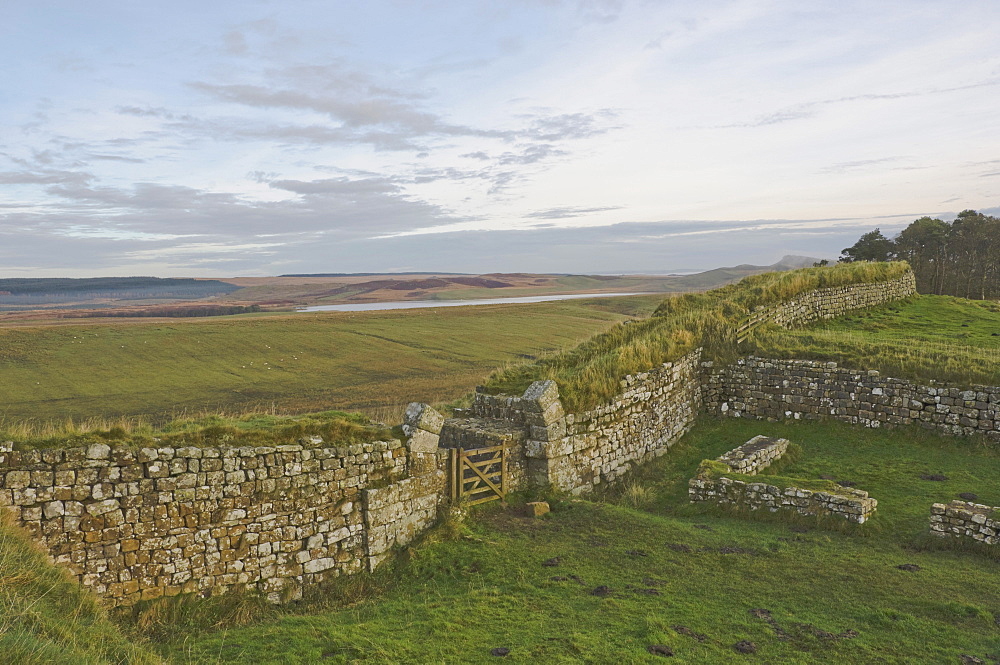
[590, 374]
[162, 618]
[637, 495]
[254, 428]
[925, 338]
[47, 618]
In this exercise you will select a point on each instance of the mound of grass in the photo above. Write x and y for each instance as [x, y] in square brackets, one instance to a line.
[48, 619]
[927, 338]
[590, 374]
[252, 429]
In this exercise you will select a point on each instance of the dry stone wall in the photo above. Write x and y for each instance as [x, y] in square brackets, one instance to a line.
[830, 302]
[139, 524]
[966, 521]
[803, 389]
[755, 455]
[575, 452]
[851, 504]
[714, 484]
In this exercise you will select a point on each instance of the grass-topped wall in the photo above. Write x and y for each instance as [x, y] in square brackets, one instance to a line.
[250, 429]
[591, 373]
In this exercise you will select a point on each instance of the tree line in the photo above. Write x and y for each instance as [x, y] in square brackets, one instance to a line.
[116, 286]
[959, 258]
[179, 311]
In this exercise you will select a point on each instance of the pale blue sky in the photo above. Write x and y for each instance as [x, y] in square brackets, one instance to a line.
[258, 137]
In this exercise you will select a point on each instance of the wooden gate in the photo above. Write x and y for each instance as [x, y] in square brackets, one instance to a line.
[756, 319]
[478, 475]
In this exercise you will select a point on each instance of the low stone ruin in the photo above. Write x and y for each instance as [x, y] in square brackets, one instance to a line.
[755, 455]
[723, 481]
[966, 520]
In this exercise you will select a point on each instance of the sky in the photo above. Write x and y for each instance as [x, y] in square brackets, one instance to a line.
[598, 136]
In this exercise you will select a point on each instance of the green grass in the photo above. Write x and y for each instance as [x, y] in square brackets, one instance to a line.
[48, 619]
[373, 361]
[336, 428]
[454, 600]
[590, 374]
[924, 337]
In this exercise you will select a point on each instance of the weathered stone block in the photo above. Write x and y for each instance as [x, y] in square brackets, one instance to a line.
[537, 508]
[98, 451]
[422, 417]
[422, 441]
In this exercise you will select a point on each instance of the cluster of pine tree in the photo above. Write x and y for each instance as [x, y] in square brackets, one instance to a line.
[961, 258]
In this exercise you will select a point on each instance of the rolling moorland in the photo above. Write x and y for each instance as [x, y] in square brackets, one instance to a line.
[30, 301]
[372, 361]
[693, 579]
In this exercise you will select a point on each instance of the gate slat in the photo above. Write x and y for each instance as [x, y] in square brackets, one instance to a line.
[478, 475]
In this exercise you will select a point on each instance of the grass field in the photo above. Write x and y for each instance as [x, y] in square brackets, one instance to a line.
[373, 361]
[692, 579]
[923, 337]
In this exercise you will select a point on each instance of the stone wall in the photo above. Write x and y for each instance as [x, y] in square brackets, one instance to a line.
[803, 389]
[828, 303]
[724, 482]
[755, 455]
[851, 504]
[139, 524]
[575, 452]
[653, 411]
[962, 520]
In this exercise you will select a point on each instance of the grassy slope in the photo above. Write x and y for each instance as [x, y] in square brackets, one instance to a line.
[301, 362]
[590, 374]
[48, 619]
[454, 601]
[924, 337]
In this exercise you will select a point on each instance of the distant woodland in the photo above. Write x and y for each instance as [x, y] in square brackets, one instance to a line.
[178, 311]
[960, 258]
[26, 291]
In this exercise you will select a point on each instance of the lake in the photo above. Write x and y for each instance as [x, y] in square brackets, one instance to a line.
[416, 304]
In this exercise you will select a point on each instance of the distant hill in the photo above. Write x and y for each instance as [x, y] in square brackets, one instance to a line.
[153, 296]
[367, 274]
[51, 291]
[719, 276]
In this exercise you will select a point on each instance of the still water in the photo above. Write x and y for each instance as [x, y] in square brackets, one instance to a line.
[415, 304]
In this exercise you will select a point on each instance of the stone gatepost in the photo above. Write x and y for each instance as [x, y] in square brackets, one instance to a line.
[422, 427]
[547, 447]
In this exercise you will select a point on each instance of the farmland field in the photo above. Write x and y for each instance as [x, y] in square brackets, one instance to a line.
[374, 361]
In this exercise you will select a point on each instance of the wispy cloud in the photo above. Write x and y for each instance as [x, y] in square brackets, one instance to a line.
[568, 212]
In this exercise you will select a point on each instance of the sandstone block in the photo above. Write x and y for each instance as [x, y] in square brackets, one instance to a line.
[422, 417]
[98, 451]
[537, 508]
[540, 395]
[422, 441]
